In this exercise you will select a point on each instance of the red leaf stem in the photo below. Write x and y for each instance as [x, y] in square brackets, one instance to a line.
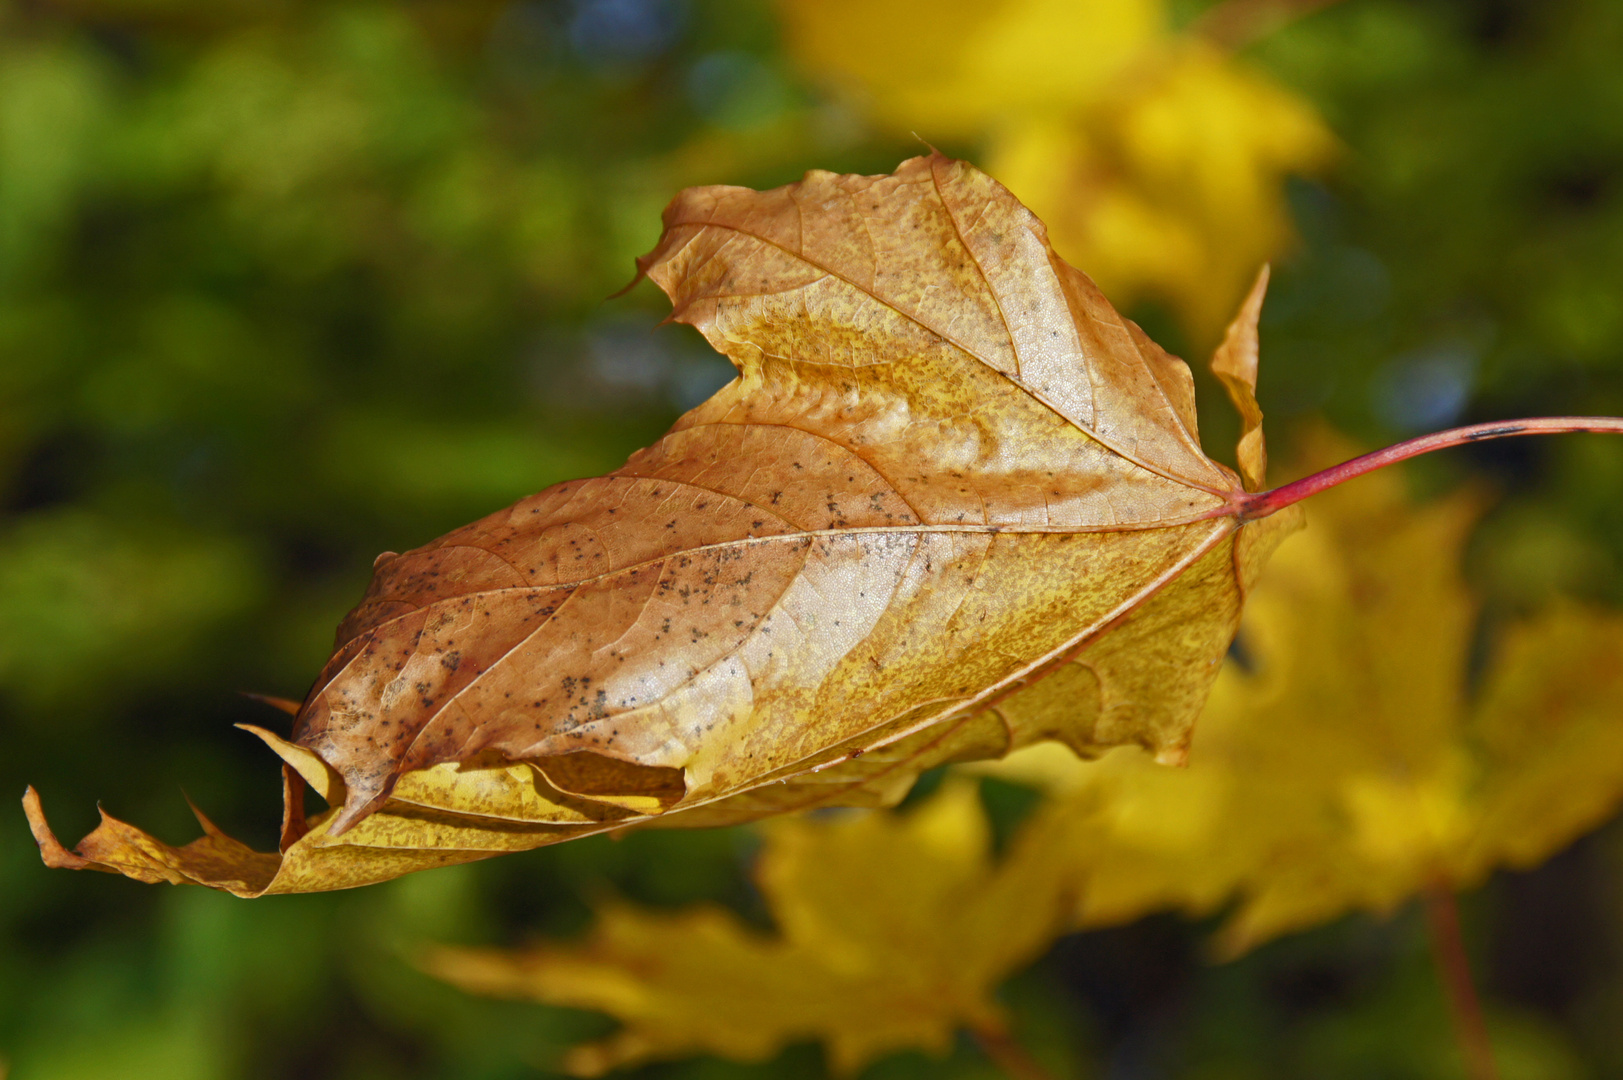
[1249, 507]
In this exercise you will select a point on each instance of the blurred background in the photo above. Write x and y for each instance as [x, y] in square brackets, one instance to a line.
[284, 285]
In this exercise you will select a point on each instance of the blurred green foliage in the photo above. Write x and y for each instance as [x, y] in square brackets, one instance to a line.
[285, 285]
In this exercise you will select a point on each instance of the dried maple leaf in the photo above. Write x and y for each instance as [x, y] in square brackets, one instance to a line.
[893, 932]
[953, 504]
[1352, 768]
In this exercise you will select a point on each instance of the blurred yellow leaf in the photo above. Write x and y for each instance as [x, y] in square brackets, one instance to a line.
[1172, 187]
[893, 931]
[1353, 767]
[950, 70]
[1156, 159]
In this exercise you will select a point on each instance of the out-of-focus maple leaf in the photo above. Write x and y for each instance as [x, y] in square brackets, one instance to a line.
[893, 931]
[948, 475]
[1156, 159]
[1352, 767]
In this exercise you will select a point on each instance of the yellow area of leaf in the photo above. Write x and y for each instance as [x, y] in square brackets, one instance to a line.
[1156, 159]
[892, 933]
[1352, 766]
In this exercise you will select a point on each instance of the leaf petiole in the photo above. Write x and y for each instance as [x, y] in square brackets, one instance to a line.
[1009, 1056]
[1251, 506]
[1448, 950]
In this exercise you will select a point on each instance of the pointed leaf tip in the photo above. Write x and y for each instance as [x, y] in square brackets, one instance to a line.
[51, 850]
[306, 762]
[1235, 365]
[281, 704]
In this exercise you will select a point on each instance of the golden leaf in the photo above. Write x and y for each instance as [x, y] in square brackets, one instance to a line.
[952, 70]
[893, 931]
[1173, 188]
[953, 504]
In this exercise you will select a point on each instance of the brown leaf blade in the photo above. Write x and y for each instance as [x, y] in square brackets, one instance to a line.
[948, 474]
